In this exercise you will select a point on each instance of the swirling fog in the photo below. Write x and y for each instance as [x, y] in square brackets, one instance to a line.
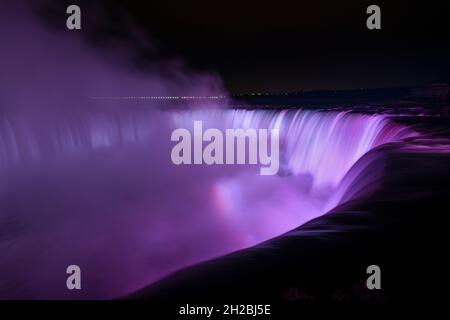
[91, 183]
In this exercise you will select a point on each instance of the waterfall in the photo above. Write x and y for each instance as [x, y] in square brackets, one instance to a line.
[323, 145]
[90, 182]
[98, 189]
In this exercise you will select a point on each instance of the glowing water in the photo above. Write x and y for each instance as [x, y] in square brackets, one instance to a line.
[98, 189]
[91, 182]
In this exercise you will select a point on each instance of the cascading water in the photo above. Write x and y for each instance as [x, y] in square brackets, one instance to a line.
[98, 189]
[91, 182]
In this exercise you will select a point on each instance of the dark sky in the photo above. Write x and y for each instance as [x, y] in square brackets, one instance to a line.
[293, 45]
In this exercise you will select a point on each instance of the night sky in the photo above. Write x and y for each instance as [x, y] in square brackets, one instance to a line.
[275, 46]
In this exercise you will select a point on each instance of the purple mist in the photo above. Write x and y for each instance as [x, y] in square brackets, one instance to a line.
[91, 182]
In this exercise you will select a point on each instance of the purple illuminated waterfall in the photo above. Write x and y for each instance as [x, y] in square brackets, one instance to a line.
[98, 189]
[91, 182]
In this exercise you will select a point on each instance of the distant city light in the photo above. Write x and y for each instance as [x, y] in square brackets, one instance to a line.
[162, 98]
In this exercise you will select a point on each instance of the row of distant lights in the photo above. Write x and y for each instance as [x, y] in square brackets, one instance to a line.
[184, 97]
[261, 94]
[163, 97]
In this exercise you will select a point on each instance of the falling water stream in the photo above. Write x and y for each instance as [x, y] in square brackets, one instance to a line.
[91, 182]
[98, 189]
